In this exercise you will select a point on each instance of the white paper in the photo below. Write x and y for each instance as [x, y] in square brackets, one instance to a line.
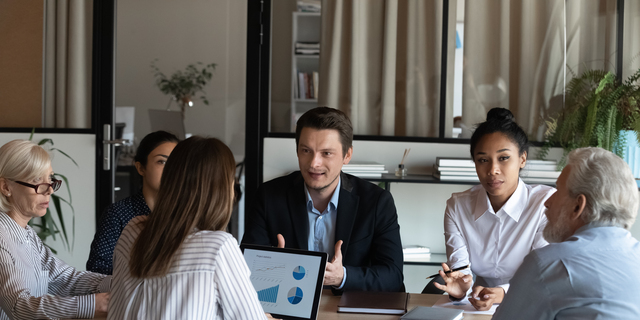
[464, 305]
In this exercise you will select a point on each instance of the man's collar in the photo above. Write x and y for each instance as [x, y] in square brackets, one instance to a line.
[597, 224]
[333, 202]
[513, 207]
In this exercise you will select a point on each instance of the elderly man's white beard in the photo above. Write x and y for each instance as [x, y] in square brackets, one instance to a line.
[559, 231]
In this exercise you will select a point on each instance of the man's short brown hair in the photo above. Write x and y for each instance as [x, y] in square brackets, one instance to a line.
[322, 118]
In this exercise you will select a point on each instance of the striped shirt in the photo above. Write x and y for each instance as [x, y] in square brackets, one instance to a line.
[35, 284]
[208, 279]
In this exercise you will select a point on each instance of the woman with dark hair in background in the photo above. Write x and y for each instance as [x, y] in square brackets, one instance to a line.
[151, 155]
[494, 225]
[178, 262]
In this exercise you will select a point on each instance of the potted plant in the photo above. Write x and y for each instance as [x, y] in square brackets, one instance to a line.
[47, 226]
[597, 108]
[183, 85]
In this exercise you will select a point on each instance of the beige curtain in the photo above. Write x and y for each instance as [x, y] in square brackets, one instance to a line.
[515, 55]
[631, 44]
[380, 63]
[67, 78]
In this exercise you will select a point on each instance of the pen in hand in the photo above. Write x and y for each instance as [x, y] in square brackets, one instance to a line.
[447, 272]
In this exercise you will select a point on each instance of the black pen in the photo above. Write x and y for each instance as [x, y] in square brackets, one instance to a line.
[456, 269]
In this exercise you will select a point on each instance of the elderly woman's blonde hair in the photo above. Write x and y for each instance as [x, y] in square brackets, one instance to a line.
[21, 160]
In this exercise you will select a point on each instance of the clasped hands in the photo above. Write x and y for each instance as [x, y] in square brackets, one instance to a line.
[333, 273]
[457, 284]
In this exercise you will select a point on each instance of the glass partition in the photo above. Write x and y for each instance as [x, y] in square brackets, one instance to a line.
[381, 62]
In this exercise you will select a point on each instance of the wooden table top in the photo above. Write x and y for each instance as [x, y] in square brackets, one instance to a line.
[329, 306]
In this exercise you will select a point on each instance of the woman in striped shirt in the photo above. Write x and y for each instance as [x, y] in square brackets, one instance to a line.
[178, 263]
[35, 284]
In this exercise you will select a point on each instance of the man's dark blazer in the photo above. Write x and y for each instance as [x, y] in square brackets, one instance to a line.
[366, 222]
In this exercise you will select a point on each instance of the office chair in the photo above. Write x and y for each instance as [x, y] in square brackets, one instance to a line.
[431, 288]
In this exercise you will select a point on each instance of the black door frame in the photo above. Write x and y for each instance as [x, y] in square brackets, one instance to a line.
[257, 95]
[102, 95]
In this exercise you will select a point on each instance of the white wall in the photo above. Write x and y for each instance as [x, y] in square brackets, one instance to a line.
[179, 33]
[81, 147]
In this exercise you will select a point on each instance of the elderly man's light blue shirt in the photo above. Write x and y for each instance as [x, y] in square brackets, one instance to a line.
[322, 225]
[594, 274]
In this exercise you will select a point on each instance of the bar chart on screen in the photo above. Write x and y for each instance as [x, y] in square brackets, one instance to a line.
[269, 295]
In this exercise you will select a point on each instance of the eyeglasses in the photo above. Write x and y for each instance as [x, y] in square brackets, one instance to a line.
[42, 188]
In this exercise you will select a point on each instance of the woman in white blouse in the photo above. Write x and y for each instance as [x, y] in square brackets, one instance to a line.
[34, 283]
[494, 225]
[178, 262]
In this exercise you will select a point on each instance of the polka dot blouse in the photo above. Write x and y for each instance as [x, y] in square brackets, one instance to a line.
[113, 221]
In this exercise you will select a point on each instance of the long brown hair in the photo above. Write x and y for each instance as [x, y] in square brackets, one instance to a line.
[196, 191]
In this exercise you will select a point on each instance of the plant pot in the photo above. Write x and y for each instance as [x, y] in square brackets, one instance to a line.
[632, 152]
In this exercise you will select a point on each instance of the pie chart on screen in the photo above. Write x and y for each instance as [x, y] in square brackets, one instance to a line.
[298, 272]
[295, 295]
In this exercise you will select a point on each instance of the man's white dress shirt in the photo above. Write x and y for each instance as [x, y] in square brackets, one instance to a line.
[494, 243]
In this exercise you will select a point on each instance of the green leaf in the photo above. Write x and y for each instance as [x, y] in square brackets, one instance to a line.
[184, 83]
[66, 184]
[66, 155]
[56, 202]
[592, 110]
[43, 141]
[597, 107]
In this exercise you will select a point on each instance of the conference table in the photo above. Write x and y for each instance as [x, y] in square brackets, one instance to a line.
[329, 306]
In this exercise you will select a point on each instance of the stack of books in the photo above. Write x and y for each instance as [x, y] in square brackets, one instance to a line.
[365, 169]
[455, 169]
[540, 171]
[307, 87]
[416, 253]
[309, 5]
[308, 48]
[461, 169]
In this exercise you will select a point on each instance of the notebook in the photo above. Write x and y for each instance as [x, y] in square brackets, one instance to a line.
[374, 302]
[288, 281]
[429, 313]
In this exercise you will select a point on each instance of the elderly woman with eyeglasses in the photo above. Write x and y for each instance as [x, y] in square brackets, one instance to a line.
[35, 284]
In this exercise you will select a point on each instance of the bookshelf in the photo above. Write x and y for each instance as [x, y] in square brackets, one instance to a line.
[388, 178]
[306, 34]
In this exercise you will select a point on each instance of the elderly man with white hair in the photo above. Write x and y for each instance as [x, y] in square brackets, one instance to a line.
[591, 269]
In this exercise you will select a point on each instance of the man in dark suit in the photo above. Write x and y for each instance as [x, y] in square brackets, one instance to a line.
[320, 208]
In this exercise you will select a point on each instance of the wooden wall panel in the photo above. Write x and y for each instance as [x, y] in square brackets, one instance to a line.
[21, 41]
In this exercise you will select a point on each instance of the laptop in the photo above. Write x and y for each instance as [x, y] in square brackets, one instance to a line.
[170, 121]
[288, 281]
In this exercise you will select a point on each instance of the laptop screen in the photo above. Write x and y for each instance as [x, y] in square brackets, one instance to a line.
[288, 281]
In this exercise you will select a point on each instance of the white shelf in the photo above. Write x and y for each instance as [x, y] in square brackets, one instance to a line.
[305, 28]
[310, 14]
